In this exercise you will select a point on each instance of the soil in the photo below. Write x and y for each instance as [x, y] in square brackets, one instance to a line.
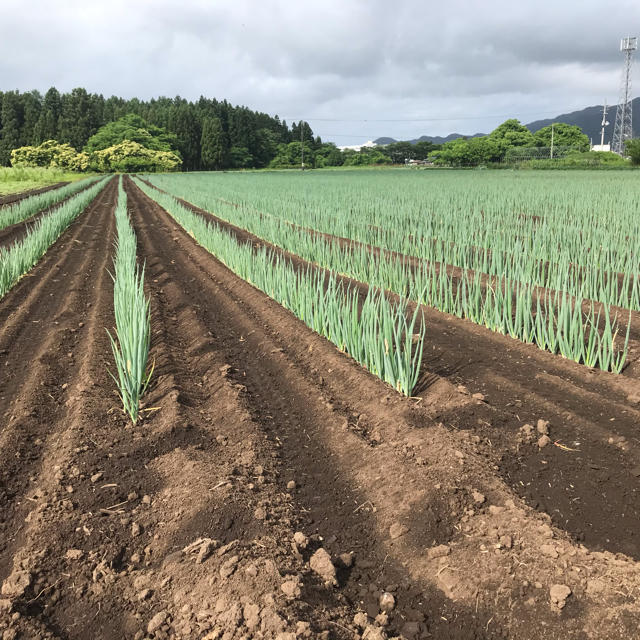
[273, 488]
[14, 197]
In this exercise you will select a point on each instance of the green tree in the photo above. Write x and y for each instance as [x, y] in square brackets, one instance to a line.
[422, 149]
[131, 127]
[183, 122]
[470, 152]
[50, 154]
[512, 134]
[400, 151]
[632, 148]
[32, 104]
[564, 135]
[78, 120]
[214, 145]
[289, 156]
[46, 127]
[11, 118]
[131, 157]
[366, 156]
[266, 147]
[330, 155]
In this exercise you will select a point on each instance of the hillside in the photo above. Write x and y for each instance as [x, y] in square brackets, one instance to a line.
[589, 120]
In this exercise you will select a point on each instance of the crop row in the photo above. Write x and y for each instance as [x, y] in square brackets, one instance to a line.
[25, 209]
[375, 332]
[553, 320]
[17, 259]
[581, 237]
[132, 341]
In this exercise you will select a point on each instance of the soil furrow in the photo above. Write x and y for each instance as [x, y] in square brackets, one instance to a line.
[476, 360]
[45, 355]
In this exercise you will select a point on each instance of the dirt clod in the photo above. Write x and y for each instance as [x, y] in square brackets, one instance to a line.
[291, 587]
[361, 620]
[543, 441]
[320, 562]
[374, 633]
[558, 594]
[542, 427]
[387, 602]
[16, 584]
[438, 551]
[300, 539]
[549, 550]
[157, 621]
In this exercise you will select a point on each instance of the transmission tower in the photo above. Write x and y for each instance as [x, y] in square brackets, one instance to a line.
[623, 128]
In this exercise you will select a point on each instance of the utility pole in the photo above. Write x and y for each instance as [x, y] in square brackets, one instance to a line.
[623, 128]
[301, 147]
[604, 124]
[552, 125]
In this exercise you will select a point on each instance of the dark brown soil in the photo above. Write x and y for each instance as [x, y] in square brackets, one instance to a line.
[102, 523]
[14, 197]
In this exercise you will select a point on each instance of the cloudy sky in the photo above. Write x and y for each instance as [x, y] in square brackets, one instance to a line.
[355, 69]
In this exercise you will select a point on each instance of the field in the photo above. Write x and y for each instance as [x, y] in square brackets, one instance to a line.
[16, 183]
[381, 404]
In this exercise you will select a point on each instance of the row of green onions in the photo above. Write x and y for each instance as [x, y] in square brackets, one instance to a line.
[132, 340]
[28, 207]
[529, 227]
[20, 257]
[506, 305]
[381, 335]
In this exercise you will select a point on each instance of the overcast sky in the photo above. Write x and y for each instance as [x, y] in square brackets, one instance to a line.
[355, 69]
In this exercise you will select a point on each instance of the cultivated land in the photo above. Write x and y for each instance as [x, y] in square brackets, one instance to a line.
[18, 183]
[261, 443]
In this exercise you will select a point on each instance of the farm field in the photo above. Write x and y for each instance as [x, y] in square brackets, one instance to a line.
[21, 182]
[479, 485]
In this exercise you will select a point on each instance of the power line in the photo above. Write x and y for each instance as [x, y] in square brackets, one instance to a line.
[448, 119]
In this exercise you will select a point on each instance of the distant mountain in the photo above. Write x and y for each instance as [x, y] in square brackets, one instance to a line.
[433, 139]
[588, 119]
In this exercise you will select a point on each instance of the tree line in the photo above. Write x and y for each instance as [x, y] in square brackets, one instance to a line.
[210, 134]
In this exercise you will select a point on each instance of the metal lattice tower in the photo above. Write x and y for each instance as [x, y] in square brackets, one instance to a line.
[623, 128]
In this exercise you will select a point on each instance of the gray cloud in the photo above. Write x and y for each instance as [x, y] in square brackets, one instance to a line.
[344, 65]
